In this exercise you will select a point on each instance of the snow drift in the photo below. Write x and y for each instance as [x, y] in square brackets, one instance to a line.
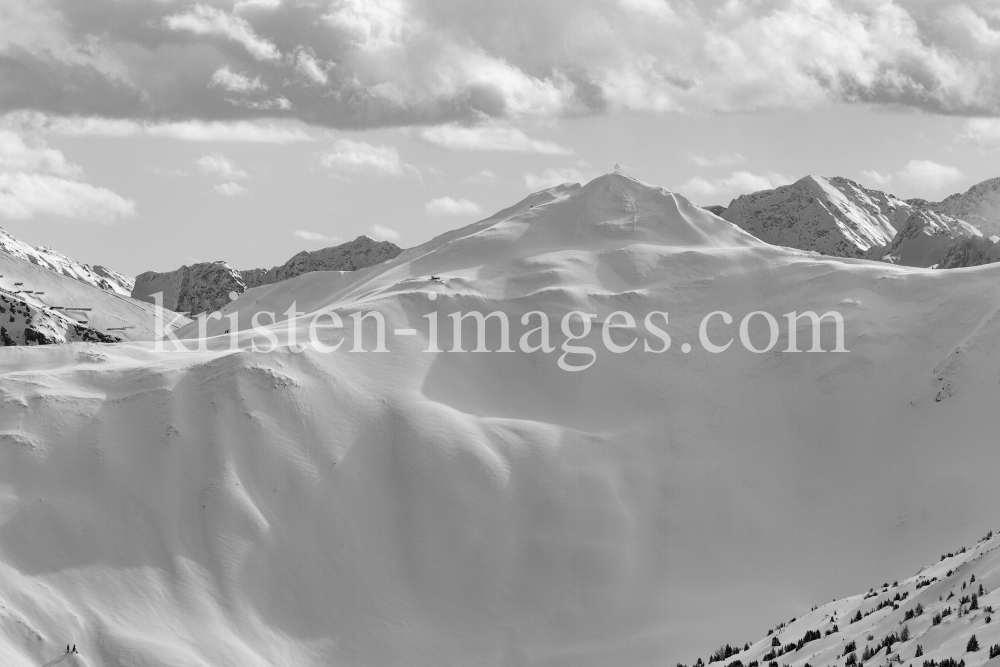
[293, 508]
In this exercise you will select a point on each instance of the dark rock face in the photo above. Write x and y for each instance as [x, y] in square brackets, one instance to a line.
[360, 253]
[194, 289]
[206, 287]
[716, 209]
[973, 251]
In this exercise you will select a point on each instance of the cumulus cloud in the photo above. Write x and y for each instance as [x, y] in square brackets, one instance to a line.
[554, 176]
[435, 63]
[876, 178]
[314, 237]
[359, 157]
[37, 179]
[489, 138]
[235, 82]
[929, 175]
[737, 183]
[211, 21]
[309, 66]
[17, 155]
[983, 133]
[380, 233]
[450, 206]
[218, 164]
[230, 189]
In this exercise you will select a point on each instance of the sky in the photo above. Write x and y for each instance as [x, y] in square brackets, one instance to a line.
[147, 134]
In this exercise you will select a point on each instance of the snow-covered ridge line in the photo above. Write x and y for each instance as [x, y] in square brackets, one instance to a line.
[839, 217]
[96, 276]
[941, 617]
[208, 286]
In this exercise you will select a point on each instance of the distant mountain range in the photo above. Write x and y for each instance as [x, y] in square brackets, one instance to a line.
[207, 286]
[839, 217]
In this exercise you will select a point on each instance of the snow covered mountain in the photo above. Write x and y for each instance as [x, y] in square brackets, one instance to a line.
[206, 287]
[56, 307]
[231, 505]
[97, 276]
[942, 614]
[360, 253]
[839, 217]
[832, 216]
[199, 288]
[24, 323]
[979, 205]
[972, 251]
[926, 238]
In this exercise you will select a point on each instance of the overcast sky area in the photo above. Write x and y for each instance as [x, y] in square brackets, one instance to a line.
[146, 134]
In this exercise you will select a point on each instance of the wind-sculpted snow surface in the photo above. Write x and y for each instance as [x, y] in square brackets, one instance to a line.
[306, 508]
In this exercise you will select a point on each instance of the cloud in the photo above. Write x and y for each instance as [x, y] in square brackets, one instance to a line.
[17, 155]
[450, 206]
[929, 175]
[877, 179]
[380, 233]
[230, 189]
[207, 20]
[722, 160]
[552, 177]
[218, 164]
[309, 66]
[272, 103]
[23, 195]
[484, 176]
[460, 64]
[737, 183]
[36, 179]
[983, 133]
[234, 82]
[202, 131]
[359, 157]
[314, 237]
[489, 138]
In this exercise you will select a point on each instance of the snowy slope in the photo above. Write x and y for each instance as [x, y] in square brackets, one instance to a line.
[979, 205]
[97, 276]
[930, 615]
[295, 508]
[24, 323]
[199, 288]
[832, 216]
[362, 252]
[44, 291]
